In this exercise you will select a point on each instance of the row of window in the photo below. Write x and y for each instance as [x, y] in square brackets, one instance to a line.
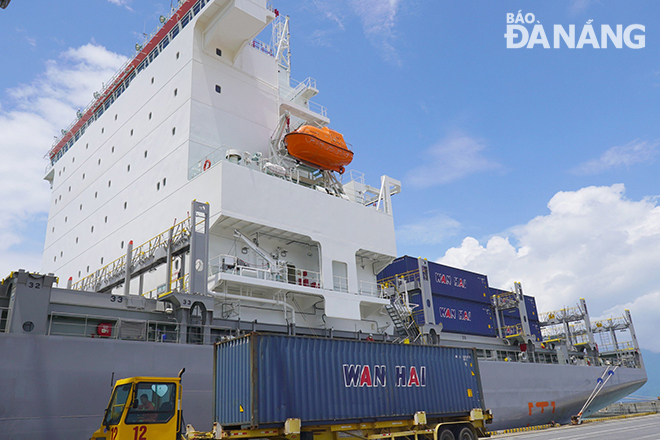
[66, 218]
[165, 41]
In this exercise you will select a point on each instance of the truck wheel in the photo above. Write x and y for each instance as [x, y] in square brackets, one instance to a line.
[466, 434]
[446, 434]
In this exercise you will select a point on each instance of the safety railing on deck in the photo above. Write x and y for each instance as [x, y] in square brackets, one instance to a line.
[103, 327]
[117, 268]
[340, 284]
[369, 288]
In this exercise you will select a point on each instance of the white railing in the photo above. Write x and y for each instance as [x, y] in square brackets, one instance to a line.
[340, 284]
[369, 288]
[303, 277]
[262, 47]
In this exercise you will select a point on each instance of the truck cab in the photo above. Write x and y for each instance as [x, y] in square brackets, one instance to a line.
[142, 408]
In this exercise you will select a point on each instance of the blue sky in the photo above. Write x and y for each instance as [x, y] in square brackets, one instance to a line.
[536, 165]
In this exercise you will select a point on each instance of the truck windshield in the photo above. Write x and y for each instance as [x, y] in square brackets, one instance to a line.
[117, 403]
[154, 403]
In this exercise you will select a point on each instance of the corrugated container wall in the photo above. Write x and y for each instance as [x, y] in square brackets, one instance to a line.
[261, 380]
[458, 283]
[466, 317]
[530, 304]
[445, 280]
[406, 266]
[534, 326]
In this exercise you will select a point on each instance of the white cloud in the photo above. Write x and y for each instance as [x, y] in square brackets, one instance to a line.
[378, 19]
[449, 160]
[433, 229]
[644, 310]
[594, 244]
[627, 155]
[123, 3]
[29, 119]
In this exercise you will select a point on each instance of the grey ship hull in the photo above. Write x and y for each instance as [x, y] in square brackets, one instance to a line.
[57, 387]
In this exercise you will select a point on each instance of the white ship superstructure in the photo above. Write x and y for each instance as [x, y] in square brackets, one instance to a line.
[181, 216]
[211, 99]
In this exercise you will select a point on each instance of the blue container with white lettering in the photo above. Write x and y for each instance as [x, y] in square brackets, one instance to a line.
[444, 280]
[261, 380]
[456, 316]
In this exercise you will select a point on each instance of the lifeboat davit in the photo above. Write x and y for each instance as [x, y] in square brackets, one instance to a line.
[322, 148]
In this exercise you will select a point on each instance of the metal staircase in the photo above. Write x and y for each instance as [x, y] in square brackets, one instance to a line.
[401, 313]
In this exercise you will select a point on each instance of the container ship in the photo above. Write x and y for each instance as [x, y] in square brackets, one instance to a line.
[201, 196]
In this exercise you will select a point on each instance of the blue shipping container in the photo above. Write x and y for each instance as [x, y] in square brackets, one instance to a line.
[407, 266]
[534, 326]
[458, 316]
[445, 280]
[458, 283]
[530, 304]
[262, 380]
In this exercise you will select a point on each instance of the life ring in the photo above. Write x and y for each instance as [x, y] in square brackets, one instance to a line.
[207, 164]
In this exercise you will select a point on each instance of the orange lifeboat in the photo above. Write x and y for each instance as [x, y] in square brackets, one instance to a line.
[322, 148]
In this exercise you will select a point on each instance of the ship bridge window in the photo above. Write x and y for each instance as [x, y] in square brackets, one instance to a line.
[197, 7]
[175, 31]
[164, 42]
